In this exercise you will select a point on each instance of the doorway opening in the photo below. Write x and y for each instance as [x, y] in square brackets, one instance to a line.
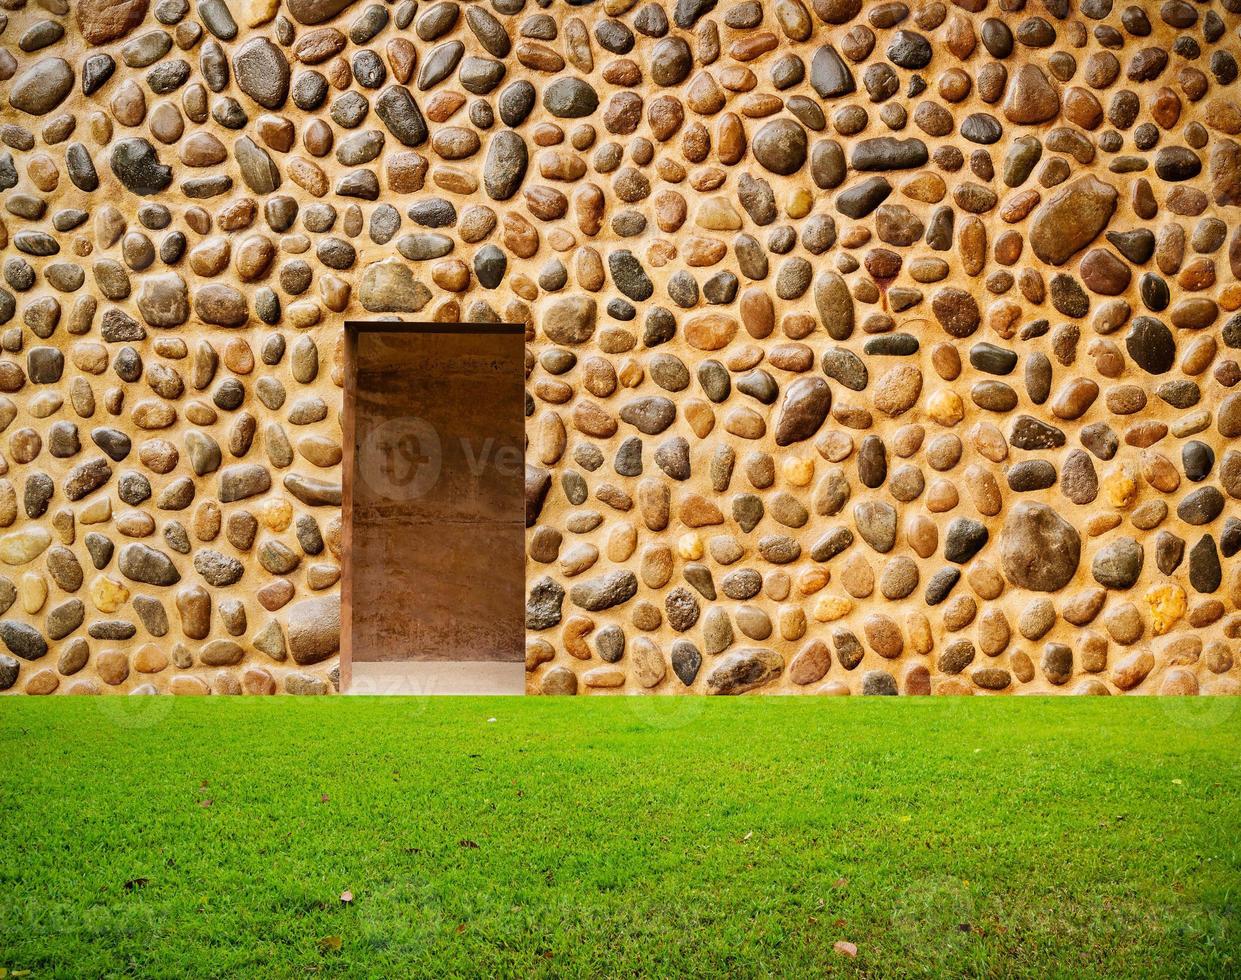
[433, 578]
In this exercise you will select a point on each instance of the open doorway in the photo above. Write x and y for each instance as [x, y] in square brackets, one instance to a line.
[434, 514]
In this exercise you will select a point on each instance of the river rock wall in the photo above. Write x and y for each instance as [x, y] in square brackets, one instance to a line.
[872, 349]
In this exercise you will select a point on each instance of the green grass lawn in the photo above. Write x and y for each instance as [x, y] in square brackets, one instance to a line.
[635, 836]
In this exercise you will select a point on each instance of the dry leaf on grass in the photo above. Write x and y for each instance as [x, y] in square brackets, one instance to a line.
[845, 948]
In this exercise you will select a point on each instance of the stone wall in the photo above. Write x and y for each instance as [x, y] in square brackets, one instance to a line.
[872, 349]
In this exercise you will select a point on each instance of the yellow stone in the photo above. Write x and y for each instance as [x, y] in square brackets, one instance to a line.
[65, 525]
[918, 628]
[525, 287]
[604, 677]
[1167, 605]
[716, 214]
[799, 471]
[32, 590]
[1230, 298]
[710, 331]
[1102, 522]
[927, 187]
[1190, 423]
[699, 416]
[335, 292]
[561, 240]
[150, 659]
[255, 13]
[24, 545]
[813, 580]
[695, 510]
[792, 622]
[108, 594]
[188, 684]
[304, 313]
[622, 540]
[276, 513]
[45, 404]
[689, 546]
[322, 574]
[44, 682]
[630, 373]
[96, 512]
[660, 253]
[832, 607]
[1120, 488]
[945, 407]
[800, 203]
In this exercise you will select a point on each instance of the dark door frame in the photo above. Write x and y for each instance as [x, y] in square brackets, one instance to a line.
[354, 328]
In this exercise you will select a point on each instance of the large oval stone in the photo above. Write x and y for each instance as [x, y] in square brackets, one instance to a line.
[314, 629]
[780, 146]
[137, 166]
[1039, 549]
[570, 98]
[806, 404]
[1031, 97]
[505, 166]
[1151, 345]
[101, 21]
[42, 87]
[834, 303]
[262, 72]
[570, 320]
[1071, 219]
[744, 670]
[315, 11]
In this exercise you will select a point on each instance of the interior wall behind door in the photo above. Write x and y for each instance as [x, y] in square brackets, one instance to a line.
[437, 561]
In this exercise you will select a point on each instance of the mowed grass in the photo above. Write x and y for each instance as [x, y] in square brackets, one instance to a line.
[634, 836]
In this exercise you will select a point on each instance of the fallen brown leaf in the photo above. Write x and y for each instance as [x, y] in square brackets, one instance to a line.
[845, 948]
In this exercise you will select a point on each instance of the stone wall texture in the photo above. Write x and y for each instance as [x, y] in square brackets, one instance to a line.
[872, 349]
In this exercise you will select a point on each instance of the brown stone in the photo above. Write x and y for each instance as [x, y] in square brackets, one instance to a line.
[1071, 219]
[102, 21]
[1031, 97]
